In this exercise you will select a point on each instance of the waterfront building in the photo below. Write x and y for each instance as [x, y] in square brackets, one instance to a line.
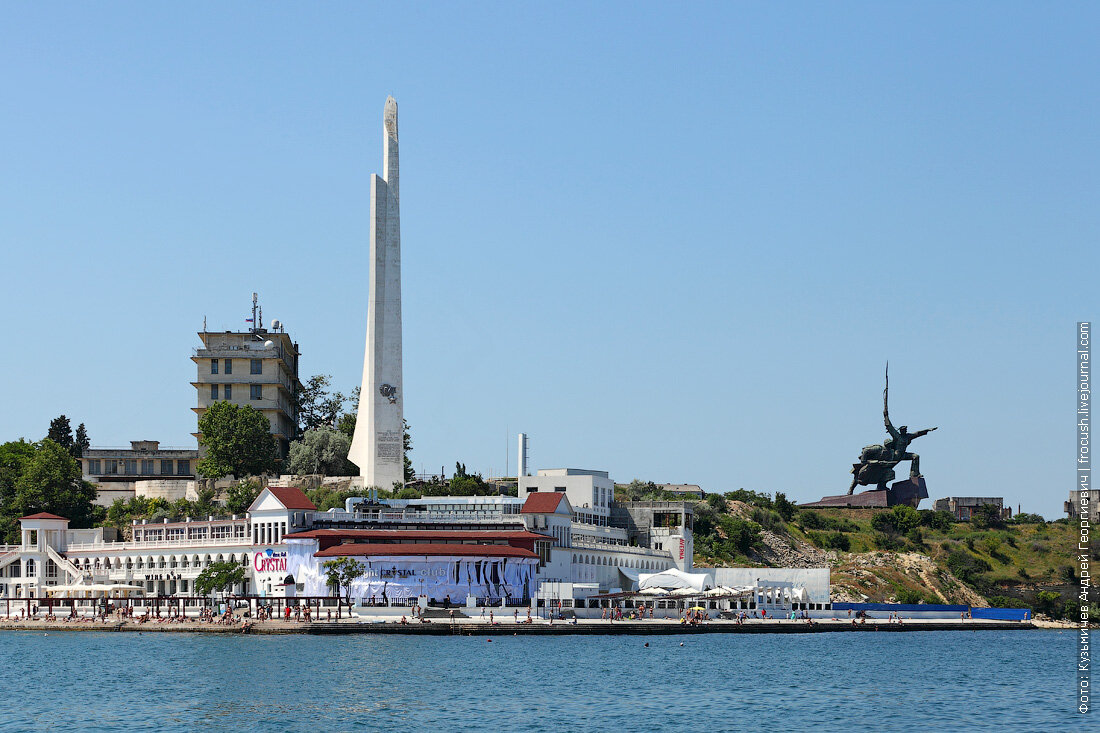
[964, 507]
[143, 469]
[377, 446]
[256, 367]
[498, 548]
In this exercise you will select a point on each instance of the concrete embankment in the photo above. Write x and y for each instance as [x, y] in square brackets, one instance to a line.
[540, 628]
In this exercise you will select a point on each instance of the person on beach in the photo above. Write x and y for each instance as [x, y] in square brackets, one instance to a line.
[515, 616]
[491, 622]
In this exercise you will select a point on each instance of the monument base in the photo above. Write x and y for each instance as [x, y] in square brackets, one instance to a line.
[908, 492]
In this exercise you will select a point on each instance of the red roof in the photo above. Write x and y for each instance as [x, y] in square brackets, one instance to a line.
[367, 550]
[542, 502]
[415, 534]
[44, 515]
[292, 498]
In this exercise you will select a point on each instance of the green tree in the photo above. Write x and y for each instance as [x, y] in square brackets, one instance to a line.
[322, 450]
[81, 443]
[346, 422]
[341, 573]
[51, 482]
[317, 406]
[237, 442]
[219, 577]
[406, 440]
[61, 432]
[14, 457]
[718, 503]
[784, 506]
[906, 518]
[240, 496]
[987, 516]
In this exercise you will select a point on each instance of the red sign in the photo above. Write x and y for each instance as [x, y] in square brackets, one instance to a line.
[681, 548]
[268, 561]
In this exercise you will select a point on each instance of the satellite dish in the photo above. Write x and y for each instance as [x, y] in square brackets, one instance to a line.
[268, 344]
[276, 324]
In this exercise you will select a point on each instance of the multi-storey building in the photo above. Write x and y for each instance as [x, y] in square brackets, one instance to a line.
[256, 367]
[143, 469]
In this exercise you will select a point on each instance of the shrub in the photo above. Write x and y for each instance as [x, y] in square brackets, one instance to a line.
[906, 518]
[837, 541]
[886, 541]
[742, 535]
[967, 567]
[914, 535]
[717, 503]
[768, 519]
[909, 596]
[939, 521]
[1007, 602]
[811, 519]
[883, 522]
[750, 497]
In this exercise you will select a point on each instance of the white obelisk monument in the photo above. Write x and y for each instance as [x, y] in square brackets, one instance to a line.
[377, 447]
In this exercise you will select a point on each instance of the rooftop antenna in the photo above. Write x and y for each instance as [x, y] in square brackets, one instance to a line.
[254, 308]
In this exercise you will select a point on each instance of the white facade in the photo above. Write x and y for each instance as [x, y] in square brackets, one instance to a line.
[590, 492]
[377, 447]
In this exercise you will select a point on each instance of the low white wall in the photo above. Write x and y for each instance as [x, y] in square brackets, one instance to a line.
[168, 489]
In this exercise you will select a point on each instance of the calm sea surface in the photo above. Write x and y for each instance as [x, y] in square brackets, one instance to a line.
[913, 681]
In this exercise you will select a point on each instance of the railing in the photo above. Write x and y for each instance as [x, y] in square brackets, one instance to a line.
[153, 544]
[589, 544]
[64, 563]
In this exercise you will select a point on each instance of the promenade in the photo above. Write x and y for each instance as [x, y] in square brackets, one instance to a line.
[507, 627]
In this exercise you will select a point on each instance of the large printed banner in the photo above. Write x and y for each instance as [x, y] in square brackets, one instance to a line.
[407, 577]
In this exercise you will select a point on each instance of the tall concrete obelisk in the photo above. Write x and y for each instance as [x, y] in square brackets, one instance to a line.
[377, 447]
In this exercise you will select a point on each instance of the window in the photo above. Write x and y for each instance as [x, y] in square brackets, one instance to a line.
[146, 466]
[213, 391]
[255, 366]
[112, 466]
[131, 466]
[213, 366]
[228, 366]
[93, 467]
[255, 392]
[166, 466]
[183, 468]
[228, 388]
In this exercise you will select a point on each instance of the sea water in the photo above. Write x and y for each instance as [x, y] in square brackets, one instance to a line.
[913, 681]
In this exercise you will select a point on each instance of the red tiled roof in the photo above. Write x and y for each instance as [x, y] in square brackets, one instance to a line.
[415, 534]
[44, 515]
[542, 502]
[367, 550]
[292, 498]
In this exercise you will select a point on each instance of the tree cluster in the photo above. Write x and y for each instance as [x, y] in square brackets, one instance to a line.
[42, 477]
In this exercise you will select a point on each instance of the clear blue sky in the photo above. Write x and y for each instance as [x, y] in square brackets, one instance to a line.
[675, 242]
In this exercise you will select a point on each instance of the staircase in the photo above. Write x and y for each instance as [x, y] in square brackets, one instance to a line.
[65, 564]
[8, 557]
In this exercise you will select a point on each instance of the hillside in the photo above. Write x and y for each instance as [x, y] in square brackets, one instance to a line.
[899, 554]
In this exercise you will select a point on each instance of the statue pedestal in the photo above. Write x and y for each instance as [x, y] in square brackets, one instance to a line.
[908, 492]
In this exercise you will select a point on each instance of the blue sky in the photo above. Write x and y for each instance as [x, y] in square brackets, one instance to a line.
[676, 243]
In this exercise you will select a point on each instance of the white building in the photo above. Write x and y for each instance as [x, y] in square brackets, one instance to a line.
[590, 492]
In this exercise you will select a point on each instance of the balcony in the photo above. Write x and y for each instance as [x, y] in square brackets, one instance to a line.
[157, 544]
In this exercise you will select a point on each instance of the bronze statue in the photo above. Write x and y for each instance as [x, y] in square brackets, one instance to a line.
[876, 462]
